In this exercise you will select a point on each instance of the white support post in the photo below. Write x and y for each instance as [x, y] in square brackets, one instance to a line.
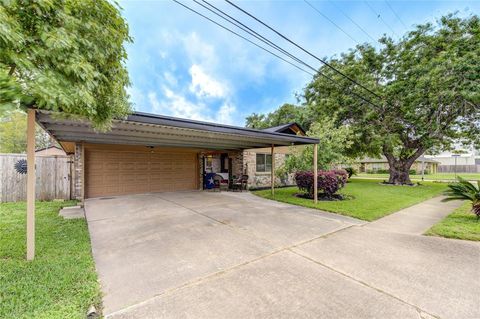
[272, 179]
[30, 184]
[315, 173]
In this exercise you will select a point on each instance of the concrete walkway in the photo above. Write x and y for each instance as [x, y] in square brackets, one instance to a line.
[234, 255]
[416, 219]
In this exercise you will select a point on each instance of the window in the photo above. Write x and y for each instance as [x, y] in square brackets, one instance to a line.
[264, 162]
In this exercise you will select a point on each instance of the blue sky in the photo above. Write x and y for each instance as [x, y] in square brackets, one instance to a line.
[182, 65]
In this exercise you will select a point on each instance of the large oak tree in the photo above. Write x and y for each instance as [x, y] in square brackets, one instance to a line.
[64, 55]
[429, 84]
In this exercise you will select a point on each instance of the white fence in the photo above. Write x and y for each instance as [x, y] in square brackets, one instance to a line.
[459, 168]
[53, 178]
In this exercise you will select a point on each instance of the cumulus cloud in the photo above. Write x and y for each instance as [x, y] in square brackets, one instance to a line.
[203, 85]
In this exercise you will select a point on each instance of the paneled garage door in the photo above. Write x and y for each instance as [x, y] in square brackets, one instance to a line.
[116, 172]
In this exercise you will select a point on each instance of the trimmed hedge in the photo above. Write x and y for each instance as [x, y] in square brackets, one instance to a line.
[328, 182]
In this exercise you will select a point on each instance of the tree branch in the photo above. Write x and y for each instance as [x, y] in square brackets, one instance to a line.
[12, 69]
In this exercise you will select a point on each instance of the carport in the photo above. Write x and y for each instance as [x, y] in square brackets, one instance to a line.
[143, 153]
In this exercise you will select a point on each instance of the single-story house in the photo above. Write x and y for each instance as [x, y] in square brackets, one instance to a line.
[373, 165]
[49, 151]
[156, 153]
[148, 153]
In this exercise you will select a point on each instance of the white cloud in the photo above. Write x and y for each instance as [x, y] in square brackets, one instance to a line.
[205, 86]
[225, 114]
[177, 105]
[170, 78]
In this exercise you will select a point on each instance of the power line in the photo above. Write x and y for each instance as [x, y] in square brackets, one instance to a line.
[395, 13]
[246, 29]
[244, 38]
[272, 45]
[252, 32]
[331, 21]
[353, 21]
[380, 18]
[303, 49]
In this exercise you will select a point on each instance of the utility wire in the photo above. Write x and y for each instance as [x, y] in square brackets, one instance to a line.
[248, 30]
[353, 21]
[395, 13]
[330, 20]
[380, 18]
[244, 38]
[252, 32]
[303, 49]
[309, 66]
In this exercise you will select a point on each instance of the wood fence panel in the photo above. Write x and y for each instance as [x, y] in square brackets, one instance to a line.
[52, 178]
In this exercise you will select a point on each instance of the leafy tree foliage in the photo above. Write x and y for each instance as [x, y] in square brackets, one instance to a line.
[429, 88]
[333, 144]
[429, 81]
[286, 113]
[13, 134]
[64, 55]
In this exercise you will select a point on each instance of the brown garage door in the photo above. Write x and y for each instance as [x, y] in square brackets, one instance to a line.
[116, 172]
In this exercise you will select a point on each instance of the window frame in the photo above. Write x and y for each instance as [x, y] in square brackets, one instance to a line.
[267, 167]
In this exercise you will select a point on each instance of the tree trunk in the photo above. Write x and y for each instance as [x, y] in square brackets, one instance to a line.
[399, 172]
[400, 167]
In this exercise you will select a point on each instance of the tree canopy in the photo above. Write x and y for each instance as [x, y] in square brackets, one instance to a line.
[64, 55]
[13, 133]
[286, 113]
[428, 93]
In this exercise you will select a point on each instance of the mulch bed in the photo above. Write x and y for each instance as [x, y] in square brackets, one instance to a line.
[324, 197]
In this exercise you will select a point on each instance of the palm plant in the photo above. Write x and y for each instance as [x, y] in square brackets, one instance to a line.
[465, 190]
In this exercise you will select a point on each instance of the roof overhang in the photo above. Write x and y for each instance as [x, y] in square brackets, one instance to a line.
[156, 130]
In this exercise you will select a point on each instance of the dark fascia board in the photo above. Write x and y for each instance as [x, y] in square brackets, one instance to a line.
[284, 126]
[148, 118]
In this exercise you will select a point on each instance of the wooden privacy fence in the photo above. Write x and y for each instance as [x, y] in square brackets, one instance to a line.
[53, 178]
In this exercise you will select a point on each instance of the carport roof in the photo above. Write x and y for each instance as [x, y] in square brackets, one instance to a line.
[159, 130]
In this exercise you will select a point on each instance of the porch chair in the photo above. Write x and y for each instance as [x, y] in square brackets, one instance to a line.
[240, 183]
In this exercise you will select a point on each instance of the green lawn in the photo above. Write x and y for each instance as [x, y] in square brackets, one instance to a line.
[436, 177]
[61, 282]
[461, 224]
[370, 199]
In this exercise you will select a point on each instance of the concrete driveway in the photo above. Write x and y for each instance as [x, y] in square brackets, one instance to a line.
[234, 255]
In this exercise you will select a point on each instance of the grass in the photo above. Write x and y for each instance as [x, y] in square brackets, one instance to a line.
[61, 282]
[436, 177]
[370, 201]
[461, 224]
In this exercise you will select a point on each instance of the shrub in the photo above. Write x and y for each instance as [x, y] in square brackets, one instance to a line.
[328, 182]
[464, 190]
[351, 171]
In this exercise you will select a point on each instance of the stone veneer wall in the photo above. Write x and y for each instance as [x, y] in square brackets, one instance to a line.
[263, 179]
[78, 172]
[238, 164]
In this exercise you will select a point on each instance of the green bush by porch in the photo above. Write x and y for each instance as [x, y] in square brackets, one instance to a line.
[461, 224]
[61, 282]
[369, 199]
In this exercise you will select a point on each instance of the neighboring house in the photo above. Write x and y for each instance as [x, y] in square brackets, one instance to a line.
[373, 165]
[153, 153]
[49, 151]
[258, 162]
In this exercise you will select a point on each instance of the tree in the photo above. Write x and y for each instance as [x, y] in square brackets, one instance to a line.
[286, 113]
[13, 134]
[429, 84]
[333, 143]
[64, 55]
